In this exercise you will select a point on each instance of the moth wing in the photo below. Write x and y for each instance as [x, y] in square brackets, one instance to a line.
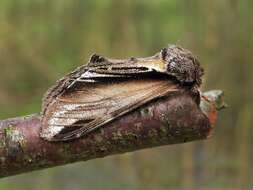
[91, 105]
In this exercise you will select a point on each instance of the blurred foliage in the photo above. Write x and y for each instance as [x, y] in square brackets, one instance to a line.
[41, 40]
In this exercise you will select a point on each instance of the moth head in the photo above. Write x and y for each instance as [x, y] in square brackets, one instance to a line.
[182, 65]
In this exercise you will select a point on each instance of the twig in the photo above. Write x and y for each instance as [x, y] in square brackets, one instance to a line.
[176, 119]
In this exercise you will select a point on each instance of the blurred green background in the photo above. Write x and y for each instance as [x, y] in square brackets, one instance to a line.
[41, 40]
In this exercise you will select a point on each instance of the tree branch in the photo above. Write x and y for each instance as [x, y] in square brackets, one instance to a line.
[175, 119]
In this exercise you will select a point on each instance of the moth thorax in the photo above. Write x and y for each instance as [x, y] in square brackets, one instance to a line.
[182, 65]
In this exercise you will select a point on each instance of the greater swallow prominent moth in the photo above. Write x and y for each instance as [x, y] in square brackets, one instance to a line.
[105, 89]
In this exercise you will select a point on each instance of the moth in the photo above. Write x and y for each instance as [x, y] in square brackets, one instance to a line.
[105, 89]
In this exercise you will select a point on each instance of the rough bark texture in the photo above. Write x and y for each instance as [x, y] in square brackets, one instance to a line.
[175, 119]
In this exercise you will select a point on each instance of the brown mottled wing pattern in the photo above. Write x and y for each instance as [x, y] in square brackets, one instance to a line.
[104, 89]
[89, 105]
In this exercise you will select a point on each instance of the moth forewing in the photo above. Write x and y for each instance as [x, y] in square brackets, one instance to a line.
[91, 105]
[104, 89]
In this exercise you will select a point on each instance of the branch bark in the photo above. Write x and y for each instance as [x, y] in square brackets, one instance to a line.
[175, 119]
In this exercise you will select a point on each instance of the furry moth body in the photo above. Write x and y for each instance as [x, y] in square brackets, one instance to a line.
[105, 89]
